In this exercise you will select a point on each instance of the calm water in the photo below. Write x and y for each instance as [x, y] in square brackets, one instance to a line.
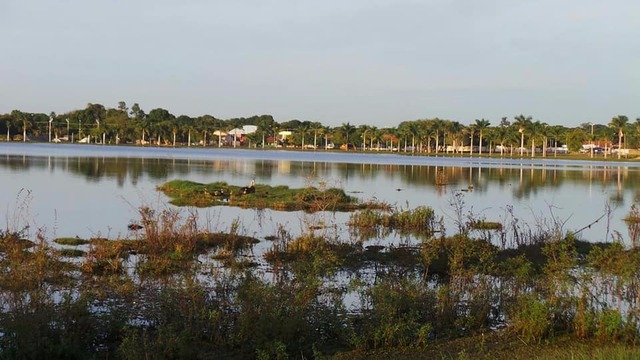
[74, 190]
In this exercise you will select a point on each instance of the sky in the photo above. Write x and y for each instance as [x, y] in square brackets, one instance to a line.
[375, 62]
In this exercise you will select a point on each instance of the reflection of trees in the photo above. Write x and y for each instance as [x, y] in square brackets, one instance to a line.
[523, 182]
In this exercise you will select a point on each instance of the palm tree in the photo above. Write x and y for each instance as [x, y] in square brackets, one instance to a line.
[373, 130]
[403, 133]
[315, 126]
[556, 132]
[409, 129]
[377, 136]
[501, 136]
[325, 130]
[364, 129]
[536, 130]
[346, 129]
[389, 136]
[454, 129]
[618, 123]
[414, 130]
[304, 128]
[522, 123]
[480, 126]
[437, 125]
[8, 125]
[428, 133]
[489, 135]
[19, 116]
[471, 130]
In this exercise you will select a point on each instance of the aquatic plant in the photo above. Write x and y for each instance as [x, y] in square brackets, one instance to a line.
[318, 296]
[310, 198]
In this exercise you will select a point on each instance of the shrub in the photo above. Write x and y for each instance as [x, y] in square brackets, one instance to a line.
[531, 318]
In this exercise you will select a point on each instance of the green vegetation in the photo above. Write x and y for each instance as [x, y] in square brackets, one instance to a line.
[485, 225]
[520, 137]
[71, 253]
[189, 193]
[315, 296]
[73, 241]
[372, 222]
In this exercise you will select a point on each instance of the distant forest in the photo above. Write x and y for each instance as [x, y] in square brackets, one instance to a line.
[123, 125]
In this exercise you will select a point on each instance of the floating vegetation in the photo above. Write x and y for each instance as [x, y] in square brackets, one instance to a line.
[485, 225]
[72, 241]
[232, 242]
[71, 253]
[189, 193]
[419, 220]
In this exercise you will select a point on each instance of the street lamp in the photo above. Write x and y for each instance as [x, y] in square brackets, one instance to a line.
[521, 131]
[50, 120]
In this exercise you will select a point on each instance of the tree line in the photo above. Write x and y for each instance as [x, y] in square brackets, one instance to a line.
[519, 134]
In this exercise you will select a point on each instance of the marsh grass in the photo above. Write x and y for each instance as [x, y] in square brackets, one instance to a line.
[485, 225]
[105, 258]
[71, 241]
[310, 198]
[457, 296]
[72, 253]
[368, 223]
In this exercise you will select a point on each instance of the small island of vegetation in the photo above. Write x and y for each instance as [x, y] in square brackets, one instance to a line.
[260, 196]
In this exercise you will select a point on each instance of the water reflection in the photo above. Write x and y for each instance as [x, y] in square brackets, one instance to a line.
[522, 183]
[69, 189]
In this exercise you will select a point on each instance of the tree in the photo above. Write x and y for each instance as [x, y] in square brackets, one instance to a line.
[376, 136]
[575, 139]
[501, 135]
[265, 126]
[522, 124]
[137, 112]
[536, 130]
[303, 129]
[471, 130]
[364, 129]
[206, 125]
[618, 124]
[414, 130]
[555, 133]
[454, 129]
[409, 129]
[636, 126]
[141, 122]
[481, 125]
[160, 122]
[122, 106]
[95, 113]
[186, 126]
[20, 117]
[346, 129]
[7, 123]
[437, 125]
[315, 127]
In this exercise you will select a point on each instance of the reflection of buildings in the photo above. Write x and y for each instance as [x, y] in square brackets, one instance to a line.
[522, 181]
[284, 167]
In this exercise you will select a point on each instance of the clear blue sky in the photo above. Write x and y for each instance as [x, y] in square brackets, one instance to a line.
[377, 62]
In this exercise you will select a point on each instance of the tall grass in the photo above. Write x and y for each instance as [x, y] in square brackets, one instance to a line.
[316, 297]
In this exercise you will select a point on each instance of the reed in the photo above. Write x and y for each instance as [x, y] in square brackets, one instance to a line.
[315, 296]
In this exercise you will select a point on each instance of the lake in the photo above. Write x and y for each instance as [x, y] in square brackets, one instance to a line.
[91, 190]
